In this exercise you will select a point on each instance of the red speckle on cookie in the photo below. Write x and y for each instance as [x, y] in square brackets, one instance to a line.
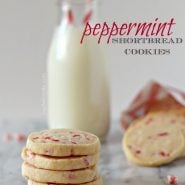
[163, 134]
[55, 140]
[172, 180]
[164, 154]
[86, 161]
[138, 151]
[72, 176]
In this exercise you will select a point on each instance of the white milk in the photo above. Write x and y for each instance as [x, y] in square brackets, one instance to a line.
[78, 92]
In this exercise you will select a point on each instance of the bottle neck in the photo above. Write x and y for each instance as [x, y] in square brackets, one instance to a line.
[78, 12]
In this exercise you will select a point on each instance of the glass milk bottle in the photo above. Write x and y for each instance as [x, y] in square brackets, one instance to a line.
[78, 89]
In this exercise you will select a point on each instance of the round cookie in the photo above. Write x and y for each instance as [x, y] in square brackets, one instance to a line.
[59, 163]
[97, 181]
[154, 140]
[59, 177]
[174, 117]
[63, 142]
[177, 118]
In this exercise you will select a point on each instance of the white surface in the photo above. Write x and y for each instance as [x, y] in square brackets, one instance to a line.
[25, 34]
[115, 169]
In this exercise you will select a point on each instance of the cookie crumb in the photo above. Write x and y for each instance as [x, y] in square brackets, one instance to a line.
[20, 137]
[172, 180]
[7, 137]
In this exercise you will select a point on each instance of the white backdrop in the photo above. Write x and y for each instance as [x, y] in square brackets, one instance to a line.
[26, 28]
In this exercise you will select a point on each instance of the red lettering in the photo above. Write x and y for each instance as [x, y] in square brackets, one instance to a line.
[144, 28]
[122, 29]
[96, 27]
[104, 32]
[170, 26]
[86, 32]
[131, 25]
[113, 32]
[161, 28]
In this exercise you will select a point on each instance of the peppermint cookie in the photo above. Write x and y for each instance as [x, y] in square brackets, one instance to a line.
[59, 177]
[97, 181]
[154, 140]
[59, 163]
[63, 142]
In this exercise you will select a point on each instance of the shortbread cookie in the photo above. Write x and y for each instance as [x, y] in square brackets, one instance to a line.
[63, 177]
[97, 181]
[59, 163]
[177, 118]
[63, 142]
[155, 140]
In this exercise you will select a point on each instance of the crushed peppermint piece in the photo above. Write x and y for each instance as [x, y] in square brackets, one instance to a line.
[172, 180]
[7, 137]
[163, 134]
[86, 161]
[163, 154]
[20, 137]
[55, 140]
[138, 151]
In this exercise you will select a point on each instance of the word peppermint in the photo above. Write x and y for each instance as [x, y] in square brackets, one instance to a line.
[145, 29]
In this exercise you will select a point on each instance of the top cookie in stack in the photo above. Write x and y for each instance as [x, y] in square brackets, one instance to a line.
[61, 156]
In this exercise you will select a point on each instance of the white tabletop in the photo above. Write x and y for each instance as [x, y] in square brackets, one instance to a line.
[113, 165]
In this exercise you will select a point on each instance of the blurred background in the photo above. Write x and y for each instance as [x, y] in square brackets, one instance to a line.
[26, 29]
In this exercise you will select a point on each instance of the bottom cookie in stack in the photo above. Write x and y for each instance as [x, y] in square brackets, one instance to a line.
[72, 158]
[97, 181]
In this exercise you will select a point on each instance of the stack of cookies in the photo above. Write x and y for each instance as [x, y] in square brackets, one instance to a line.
[61, 156]
[157, 138]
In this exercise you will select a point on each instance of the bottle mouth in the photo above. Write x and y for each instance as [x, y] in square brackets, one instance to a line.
[78, 12]
[76, 2]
